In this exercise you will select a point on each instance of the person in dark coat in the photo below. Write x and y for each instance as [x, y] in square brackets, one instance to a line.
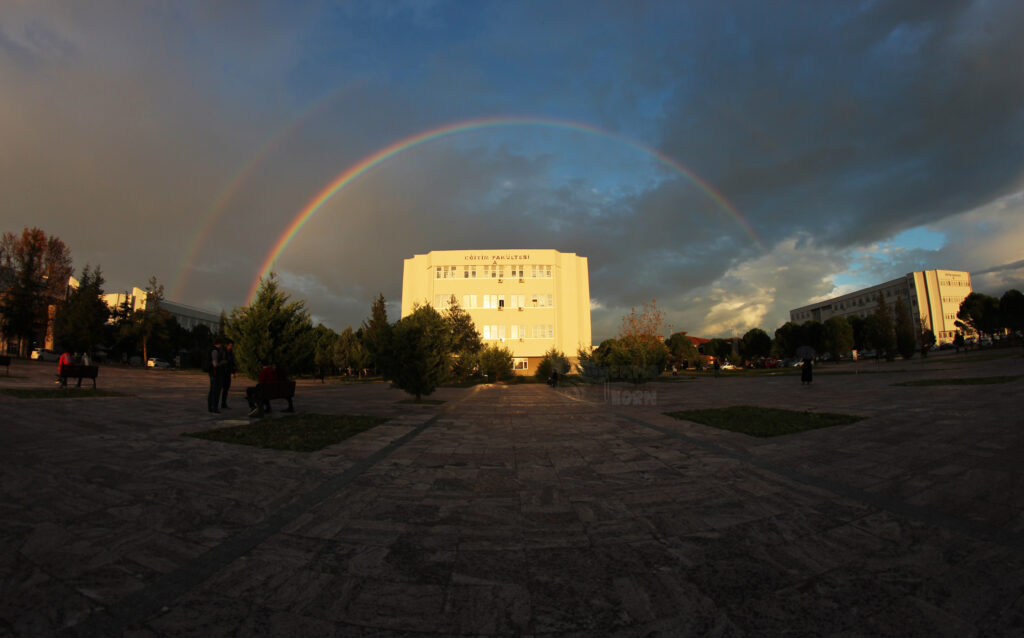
[226, 370]
[805, 372]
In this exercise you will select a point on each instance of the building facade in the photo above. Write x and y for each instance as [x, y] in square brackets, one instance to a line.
[933, 297]
[186, 316]
[528, 301]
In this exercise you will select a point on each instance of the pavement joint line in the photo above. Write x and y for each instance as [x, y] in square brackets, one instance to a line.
[149, 601]
[920, 513]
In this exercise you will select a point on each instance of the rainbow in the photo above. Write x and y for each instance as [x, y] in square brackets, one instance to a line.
[457, 128]
[270, 144]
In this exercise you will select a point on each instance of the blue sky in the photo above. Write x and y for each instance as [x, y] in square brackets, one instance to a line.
[858, 140]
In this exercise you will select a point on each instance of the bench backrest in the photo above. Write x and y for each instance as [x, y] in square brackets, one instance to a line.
[277, 389]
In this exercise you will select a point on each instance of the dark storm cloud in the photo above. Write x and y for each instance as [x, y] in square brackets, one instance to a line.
[830, 127]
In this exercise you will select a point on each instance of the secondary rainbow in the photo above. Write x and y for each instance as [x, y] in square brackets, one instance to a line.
[466, 126]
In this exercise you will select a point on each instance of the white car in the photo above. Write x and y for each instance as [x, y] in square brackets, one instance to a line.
[44, 355]
[155, 362]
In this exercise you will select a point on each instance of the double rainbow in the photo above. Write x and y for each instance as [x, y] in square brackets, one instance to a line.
[466, 126]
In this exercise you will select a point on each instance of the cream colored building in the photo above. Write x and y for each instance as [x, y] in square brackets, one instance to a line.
[187, 317]
[933, 296]
[528, 301]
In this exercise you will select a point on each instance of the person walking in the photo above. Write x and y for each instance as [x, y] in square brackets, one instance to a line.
[214, 358]
[227, 370]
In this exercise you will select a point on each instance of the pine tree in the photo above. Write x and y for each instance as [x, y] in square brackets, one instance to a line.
[79, 324]
[418, 355]
[879, 330]
[376, 333]
[272, 330]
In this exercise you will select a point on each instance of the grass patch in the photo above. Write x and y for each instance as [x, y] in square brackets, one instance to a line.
[60, 393]
[764, 422]
[962, 381]
[295, 432]
[422, 401]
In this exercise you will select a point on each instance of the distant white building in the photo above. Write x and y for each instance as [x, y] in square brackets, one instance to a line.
[933, 297]
[187, 317]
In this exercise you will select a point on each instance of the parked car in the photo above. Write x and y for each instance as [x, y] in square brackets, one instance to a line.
[43, 354]
[155, 362]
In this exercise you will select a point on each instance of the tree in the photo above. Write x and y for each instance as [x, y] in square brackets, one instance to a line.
[149, 322]
[323, 353]
[639, 352]
[1011, 310]
[681, 348]
[837, 334]
[812, 334]
[465, 340]
[375, 332]
[38, 268]
[495, 362]
[788, 337]
[927, 338]
[349, 351]
[79, 323]
[979, 314]
[755, 344]
[857, 324]
[554, 360]
[417, 353]
[721, 349]
[906, 334]
[958, 342]
[272, 329]
[878, 332]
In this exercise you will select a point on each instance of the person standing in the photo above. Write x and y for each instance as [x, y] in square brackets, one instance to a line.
[214, 358]
[806, 372]
[227, 370]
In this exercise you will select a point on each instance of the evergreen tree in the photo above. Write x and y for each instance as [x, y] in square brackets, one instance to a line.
[79, 324]
[465, 339]
[495, 362]
[554, 359]
[906, 334]
[349, 351]
[417, 354]
[376, 333]
[323, 355]
[272, 329]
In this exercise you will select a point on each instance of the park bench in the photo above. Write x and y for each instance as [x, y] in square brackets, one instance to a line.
[276, 390]
[5, 361]
[76, 371]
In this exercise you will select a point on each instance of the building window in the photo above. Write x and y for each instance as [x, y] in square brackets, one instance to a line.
[518, 332]
[520, 363]
[544, 331]
[469, 301]
[469, 272]
[516, 301]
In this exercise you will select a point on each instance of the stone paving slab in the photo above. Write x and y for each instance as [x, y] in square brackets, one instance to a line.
[520, 510]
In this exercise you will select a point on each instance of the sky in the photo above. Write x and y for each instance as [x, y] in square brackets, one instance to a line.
[732, 160]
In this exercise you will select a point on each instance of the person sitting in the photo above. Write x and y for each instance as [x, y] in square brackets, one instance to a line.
[267, 375]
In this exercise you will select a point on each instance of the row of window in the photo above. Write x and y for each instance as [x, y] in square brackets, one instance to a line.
[516, 332]
[473, 302]
[498, 271]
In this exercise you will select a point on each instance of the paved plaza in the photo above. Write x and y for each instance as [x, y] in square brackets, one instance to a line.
[521, 510]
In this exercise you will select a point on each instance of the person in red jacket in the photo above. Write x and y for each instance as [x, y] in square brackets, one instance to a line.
[267, 375]
[64, 360]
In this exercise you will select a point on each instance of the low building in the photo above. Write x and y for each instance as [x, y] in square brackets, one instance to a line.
[526, 300]
[932, 296]
[187, 317]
